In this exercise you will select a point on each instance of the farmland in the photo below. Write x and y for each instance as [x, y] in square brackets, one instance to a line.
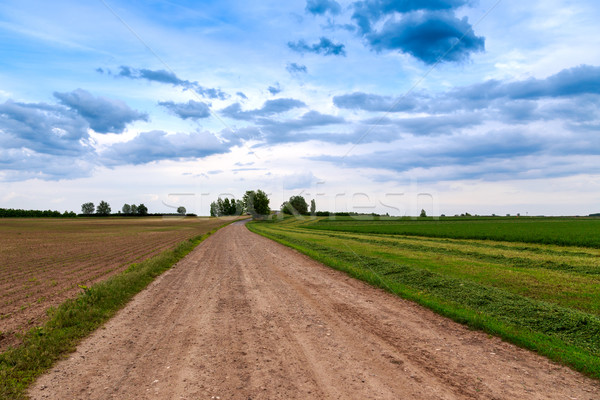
[560, 231]
[45, 261]
[514, 278]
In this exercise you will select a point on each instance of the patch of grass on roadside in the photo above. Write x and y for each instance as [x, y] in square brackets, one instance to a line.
[470, 290]
[77, 318]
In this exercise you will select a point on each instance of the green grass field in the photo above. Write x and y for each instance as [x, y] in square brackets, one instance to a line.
[561, 231]
[495, 275]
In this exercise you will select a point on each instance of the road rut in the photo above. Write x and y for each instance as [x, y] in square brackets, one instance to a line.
[242, 317]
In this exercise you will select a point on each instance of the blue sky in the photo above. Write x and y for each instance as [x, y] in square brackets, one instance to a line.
[370, 106]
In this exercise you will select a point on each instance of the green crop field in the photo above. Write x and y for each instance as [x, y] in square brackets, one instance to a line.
[562, 231]
[534, 282]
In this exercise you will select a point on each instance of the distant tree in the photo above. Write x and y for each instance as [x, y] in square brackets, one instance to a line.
[239, 207]
[313, 207]
[295, 205]
[256, 203]
[214, 209]
[423, 213]
[126, 209]
[88, 208]
[226, 207]
[181, 210]
[134, 209]
[232, 207]
[103, 208]
[142, 210]
[222, 207]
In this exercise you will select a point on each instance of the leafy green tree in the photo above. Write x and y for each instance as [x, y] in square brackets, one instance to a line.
[239, 207]
[295, 205]
[256, 203]
[226, 207]
[142, 210]
[88, 208]
[222, 207]
[134, 209]
[313, 207]
[214, 209]
[103, 208]
[181, 210]
[126, 209]
[423, 213]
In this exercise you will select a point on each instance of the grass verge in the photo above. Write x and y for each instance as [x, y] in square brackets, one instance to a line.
[562, 334]
[77, 318]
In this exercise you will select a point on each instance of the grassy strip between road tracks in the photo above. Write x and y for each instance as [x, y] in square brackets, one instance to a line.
[77, 318]
[560, 333]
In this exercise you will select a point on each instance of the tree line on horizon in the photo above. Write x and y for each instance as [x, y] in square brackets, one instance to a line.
[19, 213]
[104, 209]
[254, 202]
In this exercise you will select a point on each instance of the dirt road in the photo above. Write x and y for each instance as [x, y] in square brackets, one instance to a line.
[243, 317]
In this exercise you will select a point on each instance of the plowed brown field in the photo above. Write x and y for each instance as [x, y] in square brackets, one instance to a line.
[42, 261]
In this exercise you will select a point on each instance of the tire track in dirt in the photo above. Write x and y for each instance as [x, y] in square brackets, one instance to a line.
[243, 317]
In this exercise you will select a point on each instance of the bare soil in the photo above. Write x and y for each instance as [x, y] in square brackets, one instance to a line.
[243, 317]
[43, 260]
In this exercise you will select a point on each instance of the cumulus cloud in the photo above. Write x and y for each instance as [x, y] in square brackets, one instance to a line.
[368, 12]
[325, 46]
[42, 128]
[159, 145]
[168, 77]
[429, 36]
[427, 30]
[450, 152]
[270, 107]
[192, 109]
[495, 129]
[320, 7]
[45, 141]
[104, 115]
[584, 79]
[571, 90]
